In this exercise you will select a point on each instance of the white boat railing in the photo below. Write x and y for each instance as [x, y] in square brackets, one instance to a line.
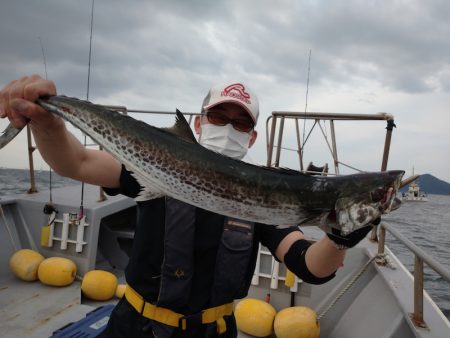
[420, 256]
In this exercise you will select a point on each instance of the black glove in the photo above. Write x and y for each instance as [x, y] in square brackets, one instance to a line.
[348, 241]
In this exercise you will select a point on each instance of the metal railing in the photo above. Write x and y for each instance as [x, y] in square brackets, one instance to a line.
[274, 147]
[420, 256]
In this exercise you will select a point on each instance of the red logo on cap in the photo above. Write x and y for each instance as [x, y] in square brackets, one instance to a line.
[237, 90]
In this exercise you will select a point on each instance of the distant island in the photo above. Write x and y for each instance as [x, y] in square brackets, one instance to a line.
[431, 185]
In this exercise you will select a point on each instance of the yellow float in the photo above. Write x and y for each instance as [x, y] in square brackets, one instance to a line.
[297, 322]
[99, 285]
[57, 271]
[24, 264]
[255, 317]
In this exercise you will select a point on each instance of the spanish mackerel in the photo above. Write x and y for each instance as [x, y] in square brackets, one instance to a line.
[170, 162]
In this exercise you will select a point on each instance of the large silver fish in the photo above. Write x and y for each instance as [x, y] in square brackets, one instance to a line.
[170, 162]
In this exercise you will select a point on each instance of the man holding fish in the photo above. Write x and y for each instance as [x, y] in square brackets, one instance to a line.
[188, 264]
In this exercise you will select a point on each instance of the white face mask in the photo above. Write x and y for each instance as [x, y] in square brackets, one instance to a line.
[225, 140]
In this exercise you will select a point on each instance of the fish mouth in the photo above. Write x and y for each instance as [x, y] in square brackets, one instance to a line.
[386, 203]
[385, 196]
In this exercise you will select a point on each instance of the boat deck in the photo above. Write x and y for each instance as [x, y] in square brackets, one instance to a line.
[26, 308]
[378, 304]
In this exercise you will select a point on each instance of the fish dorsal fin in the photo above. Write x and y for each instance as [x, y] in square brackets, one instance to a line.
[182, 129]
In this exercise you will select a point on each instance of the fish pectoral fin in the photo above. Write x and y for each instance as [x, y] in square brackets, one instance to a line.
[146, 195]
[148, 191]
[182, 129]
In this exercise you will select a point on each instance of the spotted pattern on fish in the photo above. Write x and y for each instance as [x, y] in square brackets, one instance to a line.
[170, 165]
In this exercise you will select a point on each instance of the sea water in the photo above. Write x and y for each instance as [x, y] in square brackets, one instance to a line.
[427, 224]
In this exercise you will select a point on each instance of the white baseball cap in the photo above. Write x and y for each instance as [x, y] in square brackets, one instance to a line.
[233, 92]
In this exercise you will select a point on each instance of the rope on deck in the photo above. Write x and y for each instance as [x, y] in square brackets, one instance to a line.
[346, 288]
[8, 228]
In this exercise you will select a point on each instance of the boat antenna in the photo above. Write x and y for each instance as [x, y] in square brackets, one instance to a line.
[43, 56]
[87, 98]
[306, 109]
[306, 100]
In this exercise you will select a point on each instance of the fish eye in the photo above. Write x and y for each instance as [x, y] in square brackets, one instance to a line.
[378, 194]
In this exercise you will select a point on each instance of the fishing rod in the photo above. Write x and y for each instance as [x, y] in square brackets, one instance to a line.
[46, 77]
[49, 208]
[90, 52]
[43, 57]
[306, 109]
[81, 213]
[301, 144]
[306, 101]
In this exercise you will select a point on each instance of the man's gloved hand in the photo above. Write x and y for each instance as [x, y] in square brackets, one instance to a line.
[350, 240]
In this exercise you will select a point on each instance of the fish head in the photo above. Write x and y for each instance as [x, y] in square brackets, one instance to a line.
[376, 196]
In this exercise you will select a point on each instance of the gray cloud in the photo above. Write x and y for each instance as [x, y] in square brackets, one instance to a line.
[403, 46]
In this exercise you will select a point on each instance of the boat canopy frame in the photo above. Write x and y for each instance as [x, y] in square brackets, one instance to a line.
[274, 151]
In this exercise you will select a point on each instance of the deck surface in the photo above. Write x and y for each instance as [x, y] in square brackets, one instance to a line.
[26, 307]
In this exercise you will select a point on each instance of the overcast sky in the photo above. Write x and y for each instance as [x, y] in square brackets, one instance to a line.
[366, 57]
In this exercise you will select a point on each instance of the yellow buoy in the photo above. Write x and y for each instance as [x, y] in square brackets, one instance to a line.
[120, 290]
[25, 263]
[297, 322]
[255, 317]
[57, 271]
[99, 285]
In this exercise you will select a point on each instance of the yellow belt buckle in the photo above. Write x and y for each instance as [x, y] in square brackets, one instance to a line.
[190, 320]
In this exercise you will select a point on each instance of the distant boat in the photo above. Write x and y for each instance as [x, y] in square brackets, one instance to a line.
[414, 194]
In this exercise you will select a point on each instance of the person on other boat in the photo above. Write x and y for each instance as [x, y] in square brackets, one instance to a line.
[187, 264]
